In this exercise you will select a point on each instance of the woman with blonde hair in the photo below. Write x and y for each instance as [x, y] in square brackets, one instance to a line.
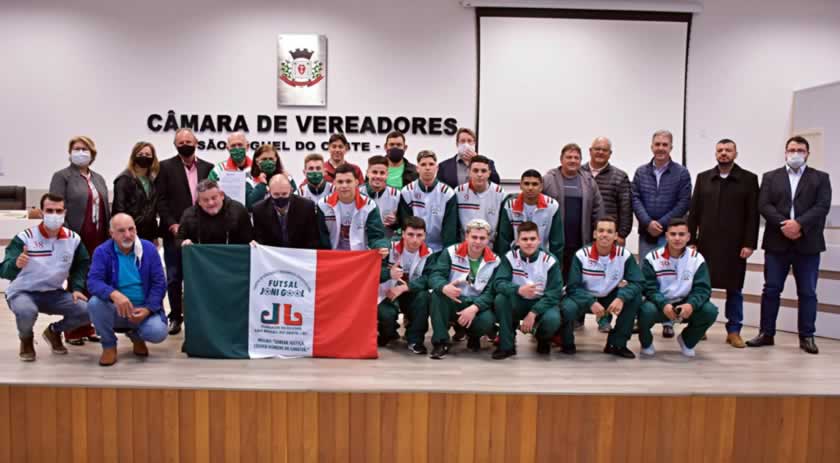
[135, 193]
[87, 211]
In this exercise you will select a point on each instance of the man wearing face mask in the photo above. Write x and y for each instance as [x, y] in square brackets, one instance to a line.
[794, 200]
[38, 260]
[176, 185]
[238, 159]
[456, 170]
[316, 187]
[127, 285]
[387, 198]
[723, 221]
[400, 171]
[285, 220]
[338, 146]
[215, 219]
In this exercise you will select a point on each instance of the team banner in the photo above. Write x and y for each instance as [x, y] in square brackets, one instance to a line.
[258, 302]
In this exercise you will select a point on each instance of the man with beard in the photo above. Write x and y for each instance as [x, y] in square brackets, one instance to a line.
[723, 221]
[215, 219]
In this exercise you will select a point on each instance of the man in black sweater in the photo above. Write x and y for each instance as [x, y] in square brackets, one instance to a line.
[215, 219]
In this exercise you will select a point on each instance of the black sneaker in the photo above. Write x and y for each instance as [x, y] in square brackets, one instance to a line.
[667, 331]
[623, 352]
[500, 354]
[460, 333]
[174, 326]
[474, 343]
[568, 349]
[419, 349]
[543, 347]
[440, 351]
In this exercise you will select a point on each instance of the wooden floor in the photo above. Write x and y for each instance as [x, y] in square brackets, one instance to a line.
[717, 370]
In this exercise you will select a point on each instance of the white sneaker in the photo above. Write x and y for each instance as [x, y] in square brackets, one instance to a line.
[648, 351]
[688, 352]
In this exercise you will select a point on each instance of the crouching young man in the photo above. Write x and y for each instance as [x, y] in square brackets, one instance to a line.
[405, 288]
[528, 287]
[603, 279]
[127, 286]
[677, 288]
[462, 280]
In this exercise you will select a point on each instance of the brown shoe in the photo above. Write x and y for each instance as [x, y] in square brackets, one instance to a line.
[54, 340]
[734, 340]
[109, 357]
[140, 348]
[27, 349]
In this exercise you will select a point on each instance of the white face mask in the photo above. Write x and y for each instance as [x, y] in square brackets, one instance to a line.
[80, 158]
[796, 160]
[464, 147]
[53, 221]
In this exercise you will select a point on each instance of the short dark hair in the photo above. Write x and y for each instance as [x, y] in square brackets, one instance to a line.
[416, 223]
[395, 134]
[426, 154]
[338, 137]
[798, 139]
[570, 147]
[528, 226]
[676, 222]
[531, 173]
[481, 159]
[374, 160]
[54, 197]
[465, 130]
[607, 218]
[724, 141]
[345, 168]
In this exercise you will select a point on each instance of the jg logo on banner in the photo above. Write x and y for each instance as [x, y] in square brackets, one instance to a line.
[281, 302]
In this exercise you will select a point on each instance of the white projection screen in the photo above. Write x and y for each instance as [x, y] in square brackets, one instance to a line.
[548, 81]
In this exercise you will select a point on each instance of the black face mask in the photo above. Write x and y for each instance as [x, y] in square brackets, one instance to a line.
[143, 162]
[280, 203]
[186, 150]
[396, 154]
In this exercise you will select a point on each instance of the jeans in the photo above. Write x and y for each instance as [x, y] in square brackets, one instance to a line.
[805, 272]
[644, 249]
[106, 320]
[734, 310]
[174, 278]
[27, 304]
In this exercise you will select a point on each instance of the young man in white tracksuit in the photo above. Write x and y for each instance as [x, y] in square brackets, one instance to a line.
[462, 280]
[603, 279]
[528, 286]
[433, 201]
[677, 288]
[533, 206]
[348, 220]
[405, 288]
[387, 198]
[480, 198]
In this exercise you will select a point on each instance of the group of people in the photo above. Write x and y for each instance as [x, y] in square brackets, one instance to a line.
[457, 250]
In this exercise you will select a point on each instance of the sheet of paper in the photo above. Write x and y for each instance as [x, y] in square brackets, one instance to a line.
[233, 184]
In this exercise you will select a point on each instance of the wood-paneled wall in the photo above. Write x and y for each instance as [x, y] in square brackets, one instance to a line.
[67, 425]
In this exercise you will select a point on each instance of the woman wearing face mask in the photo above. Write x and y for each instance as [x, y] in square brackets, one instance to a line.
[135, 193]
[266, 164]
[86, 204]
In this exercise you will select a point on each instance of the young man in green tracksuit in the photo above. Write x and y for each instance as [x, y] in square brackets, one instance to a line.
[604, 279]
[533, 206]
[528, 287]
[348, 220]
[404, 288]
[677, 287]
[462, 280]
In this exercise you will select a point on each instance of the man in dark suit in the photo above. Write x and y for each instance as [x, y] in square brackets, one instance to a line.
[794, 201]
[285, 220]
[723, 221]
[176, 185]
[456, 170]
